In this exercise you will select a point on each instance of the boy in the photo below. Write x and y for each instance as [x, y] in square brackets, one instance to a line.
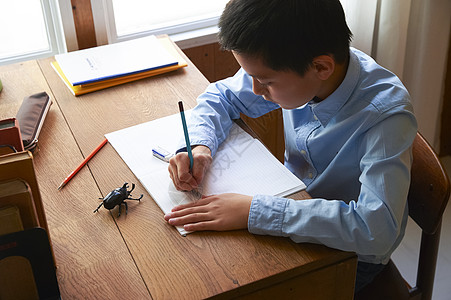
[348, 125]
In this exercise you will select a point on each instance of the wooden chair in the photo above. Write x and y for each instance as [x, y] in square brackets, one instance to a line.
[428, 195]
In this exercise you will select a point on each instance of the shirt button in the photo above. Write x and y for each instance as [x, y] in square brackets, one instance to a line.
[303, 152]
[310, 175]
[315, 117]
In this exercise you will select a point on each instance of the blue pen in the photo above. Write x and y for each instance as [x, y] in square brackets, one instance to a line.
[185, 130]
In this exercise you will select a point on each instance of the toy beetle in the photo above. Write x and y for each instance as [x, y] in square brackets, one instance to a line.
[118, 197]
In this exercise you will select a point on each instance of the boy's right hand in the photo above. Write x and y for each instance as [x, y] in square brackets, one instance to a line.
[183, 179]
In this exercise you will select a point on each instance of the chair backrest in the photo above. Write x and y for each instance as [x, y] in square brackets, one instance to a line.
[429, 188]
[428, 195]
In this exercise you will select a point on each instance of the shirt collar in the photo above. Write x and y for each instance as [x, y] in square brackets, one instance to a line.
[329, 107]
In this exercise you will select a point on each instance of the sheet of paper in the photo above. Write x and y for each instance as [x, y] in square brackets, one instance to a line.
[242, 164]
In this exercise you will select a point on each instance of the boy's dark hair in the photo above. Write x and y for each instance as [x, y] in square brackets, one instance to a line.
[286, 34]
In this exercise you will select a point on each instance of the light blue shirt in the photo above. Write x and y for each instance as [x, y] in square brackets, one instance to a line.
[352, 150]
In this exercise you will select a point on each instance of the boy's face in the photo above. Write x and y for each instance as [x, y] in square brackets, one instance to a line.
[288, 89]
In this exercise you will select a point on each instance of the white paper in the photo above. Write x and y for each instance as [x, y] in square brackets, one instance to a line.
[242, 164]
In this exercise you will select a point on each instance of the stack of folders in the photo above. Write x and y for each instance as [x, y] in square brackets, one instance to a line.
[97, 68]
[21, 205]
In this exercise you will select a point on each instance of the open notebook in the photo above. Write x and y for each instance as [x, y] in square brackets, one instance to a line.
[242, 163]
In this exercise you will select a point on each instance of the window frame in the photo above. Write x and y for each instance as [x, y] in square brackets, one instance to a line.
[185, 35]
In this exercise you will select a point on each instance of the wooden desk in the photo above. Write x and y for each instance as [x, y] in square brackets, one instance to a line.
[140, 256]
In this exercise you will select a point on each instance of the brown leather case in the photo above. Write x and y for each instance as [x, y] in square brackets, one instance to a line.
[31, 116]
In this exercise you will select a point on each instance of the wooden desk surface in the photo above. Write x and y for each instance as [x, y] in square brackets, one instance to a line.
[140, 256]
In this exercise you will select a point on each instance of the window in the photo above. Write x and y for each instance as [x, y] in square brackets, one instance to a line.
[29, 29]
[127, 19]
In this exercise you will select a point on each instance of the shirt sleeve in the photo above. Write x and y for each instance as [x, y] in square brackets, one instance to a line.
[372, 225]
[221, 103]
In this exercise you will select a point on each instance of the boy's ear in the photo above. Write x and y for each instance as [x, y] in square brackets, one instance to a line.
[324, 66]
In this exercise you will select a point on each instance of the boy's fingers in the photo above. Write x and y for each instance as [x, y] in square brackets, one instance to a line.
[179, 172]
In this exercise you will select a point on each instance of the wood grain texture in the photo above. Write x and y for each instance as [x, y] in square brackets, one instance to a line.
[212, 62]
[89, 249]
[225, 63]
[269, 129]
[204, 59]
[150, 257]
[323, 284]
[84, 24]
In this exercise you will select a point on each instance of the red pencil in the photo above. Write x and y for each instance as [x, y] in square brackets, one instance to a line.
[65, 181]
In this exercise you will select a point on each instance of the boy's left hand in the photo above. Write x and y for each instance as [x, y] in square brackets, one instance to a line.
[218, 212]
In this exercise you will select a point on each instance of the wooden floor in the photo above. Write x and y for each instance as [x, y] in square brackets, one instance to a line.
[406, 255]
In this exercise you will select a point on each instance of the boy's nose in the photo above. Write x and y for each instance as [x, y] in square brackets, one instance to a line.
[257, 88]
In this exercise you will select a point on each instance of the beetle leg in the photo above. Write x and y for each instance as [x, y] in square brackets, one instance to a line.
[126, 208]
[119, 213]
[97, 209]
[139, 199]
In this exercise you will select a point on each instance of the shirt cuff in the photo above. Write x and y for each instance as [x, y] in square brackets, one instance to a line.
[266, 215]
